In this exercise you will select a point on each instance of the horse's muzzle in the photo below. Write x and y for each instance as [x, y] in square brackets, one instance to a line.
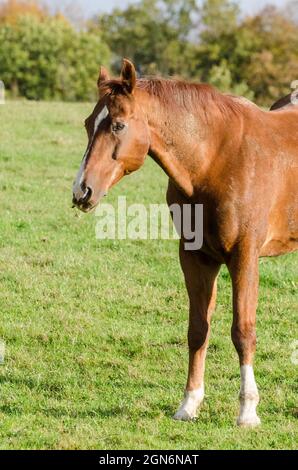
[83, 202]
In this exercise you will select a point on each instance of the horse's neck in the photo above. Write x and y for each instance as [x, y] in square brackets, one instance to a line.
[182, 144]
[165, 151]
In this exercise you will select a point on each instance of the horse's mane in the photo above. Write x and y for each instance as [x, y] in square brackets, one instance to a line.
[180, 94]
[188, 95]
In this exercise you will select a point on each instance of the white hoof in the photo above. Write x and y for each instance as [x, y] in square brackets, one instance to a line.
[189, 407]
[184, 415]
[248, 421]
[248, 412]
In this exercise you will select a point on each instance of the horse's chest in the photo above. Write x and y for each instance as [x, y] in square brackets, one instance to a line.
[220, 221]
[221, 226]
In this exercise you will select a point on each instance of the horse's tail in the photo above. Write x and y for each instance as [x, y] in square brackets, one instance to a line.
[289, 100]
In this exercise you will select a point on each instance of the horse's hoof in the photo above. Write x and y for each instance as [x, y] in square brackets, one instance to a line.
[248, 422]
[190, 405]
[183, 415]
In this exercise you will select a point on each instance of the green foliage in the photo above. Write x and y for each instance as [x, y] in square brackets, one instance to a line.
[49, 59]
[260, 52]
[218, 17]
[221, 77]
[273, 64]
[152, 33]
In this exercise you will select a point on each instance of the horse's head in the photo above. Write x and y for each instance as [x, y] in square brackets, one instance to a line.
[118, 138]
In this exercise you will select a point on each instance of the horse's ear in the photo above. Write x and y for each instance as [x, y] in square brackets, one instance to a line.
[128, 75]
[103, 75]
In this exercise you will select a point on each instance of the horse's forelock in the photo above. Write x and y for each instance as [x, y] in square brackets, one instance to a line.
[114, 87]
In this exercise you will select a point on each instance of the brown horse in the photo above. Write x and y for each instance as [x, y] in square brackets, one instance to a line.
[221, 151]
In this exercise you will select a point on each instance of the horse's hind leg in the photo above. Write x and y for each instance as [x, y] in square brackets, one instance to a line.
[200, 274]
[245, 279]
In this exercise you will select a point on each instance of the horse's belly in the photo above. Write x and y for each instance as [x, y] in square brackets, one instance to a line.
[277, 247]
[282, 235]
[282, 231]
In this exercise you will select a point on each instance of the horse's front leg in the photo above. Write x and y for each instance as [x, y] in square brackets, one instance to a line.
[244, 272]
[200, 274]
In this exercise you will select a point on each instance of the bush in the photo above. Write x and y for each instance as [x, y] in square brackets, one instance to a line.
[221, 77]
[49, 59]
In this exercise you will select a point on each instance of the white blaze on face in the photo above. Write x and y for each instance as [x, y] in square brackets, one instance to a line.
[102, 115]
[77, 190]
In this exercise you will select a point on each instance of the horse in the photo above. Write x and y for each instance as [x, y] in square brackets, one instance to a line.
[218, 150]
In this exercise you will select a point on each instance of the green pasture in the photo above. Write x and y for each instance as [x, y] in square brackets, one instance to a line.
[95, 331]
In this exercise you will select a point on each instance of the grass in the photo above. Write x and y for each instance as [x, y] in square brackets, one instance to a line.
[95, 331]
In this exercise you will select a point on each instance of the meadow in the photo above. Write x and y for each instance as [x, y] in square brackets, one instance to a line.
[95, 331]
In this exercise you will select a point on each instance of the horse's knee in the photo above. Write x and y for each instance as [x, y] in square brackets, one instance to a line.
[197, 335]
[244, 336]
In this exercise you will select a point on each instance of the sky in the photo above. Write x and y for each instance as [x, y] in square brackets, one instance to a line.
[91, 7]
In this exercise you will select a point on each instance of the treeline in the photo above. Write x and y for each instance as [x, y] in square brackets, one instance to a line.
[46, 57]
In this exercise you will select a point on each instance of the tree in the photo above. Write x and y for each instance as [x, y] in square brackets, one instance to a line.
[258, 54]
[221, 77]
[172, 37]
[222, 47]
[218, 17]
[154, 34]
[12, 10]
[273, 63]
[49, 59]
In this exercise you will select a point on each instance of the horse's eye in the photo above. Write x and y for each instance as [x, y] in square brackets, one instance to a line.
[118, 127]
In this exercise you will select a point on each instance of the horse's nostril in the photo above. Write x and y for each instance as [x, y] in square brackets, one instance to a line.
[87, 195]
[83, 197]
